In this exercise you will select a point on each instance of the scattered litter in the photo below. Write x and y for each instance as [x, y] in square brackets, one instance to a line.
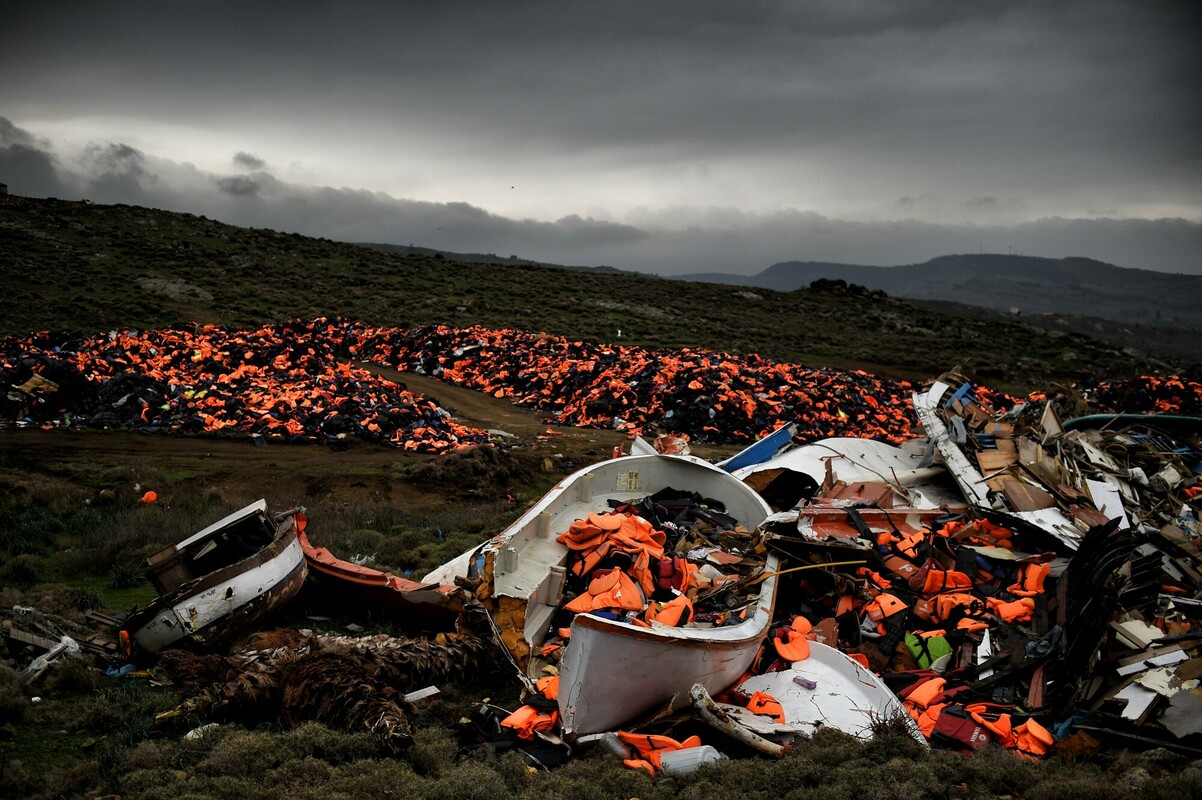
[201, 732]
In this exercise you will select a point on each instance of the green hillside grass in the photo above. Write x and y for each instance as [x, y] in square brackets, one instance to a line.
[86, 267]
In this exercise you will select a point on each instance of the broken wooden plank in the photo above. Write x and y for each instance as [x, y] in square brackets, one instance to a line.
[1152, 658]
[31, 638]
[1024, 497]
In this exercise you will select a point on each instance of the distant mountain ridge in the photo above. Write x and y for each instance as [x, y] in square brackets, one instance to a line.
[475, 258]
[1031, 284]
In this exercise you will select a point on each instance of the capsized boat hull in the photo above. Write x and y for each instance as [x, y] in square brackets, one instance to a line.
[611, 672]
[224, 604]
[845, 696]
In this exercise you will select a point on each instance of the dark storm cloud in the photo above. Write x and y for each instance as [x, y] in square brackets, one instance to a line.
[668, 242]
[697, 75]
[994, 113]
[239, 185]
[11, 135]
[249, 161]
[26, 166]
[117, 170]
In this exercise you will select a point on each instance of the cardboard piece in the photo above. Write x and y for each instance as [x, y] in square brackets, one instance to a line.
[1136, 634]
[993, 460]
[1006, 446]
[1184, 715]
[1040, 463]
[1024, 497]
[1002, 430]
[1190, 670]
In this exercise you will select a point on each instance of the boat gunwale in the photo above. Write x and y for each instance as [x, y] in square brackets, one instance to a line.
[323, 561]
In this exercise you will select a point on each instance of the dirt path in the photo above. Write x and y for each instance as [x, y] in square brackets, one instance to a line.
[86, 460]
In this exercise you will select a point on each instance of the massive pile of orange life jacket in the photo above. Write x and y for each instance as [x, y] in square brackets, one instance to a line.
[300, 380]
[710, 396]
[287, 380]
[1147, 394]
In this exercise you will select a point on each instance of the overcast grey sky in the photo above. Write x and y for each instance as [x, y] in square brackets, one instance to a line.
[664, 136]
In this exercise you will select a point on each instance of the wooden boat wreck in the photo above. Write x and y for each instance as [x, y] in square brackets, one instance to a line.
[416, 606]
[616, 665]
[221, 582]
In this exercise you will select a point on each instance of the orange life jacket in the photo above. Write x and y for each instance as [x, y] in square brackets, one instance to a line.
[1031, 578]
[881, 608]
[938, 580]
[650, 747]
[1020, 610]
[614, 589]
[1032, 739]
[793, 643]
[528, 719]
[927, 720]
[677, 611]
[548, 686]
[766, 704]
[937, 608]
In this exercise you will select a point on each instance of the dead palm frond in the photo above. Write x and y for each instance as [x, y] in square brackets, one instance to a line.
[353, 683]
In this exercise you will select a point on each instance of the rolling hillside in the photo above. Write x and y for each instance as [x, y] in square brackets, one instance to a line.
[88, 267]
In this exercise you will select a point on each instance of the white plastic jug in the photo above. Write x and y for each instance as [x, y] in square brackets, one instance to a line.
[682, 762]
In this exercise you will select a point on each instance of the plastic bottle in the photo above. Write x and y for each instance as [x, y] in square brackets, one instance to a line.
[682, 762]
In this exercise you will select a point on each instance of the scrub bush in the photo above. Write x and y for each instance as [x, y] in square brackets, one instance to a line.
[14, 701]
[243, 754]
[23, 571]
[125, 575]
[124, 710]
[70, 675]
[314, 740]
[30, 530]
[85, 599]
[433, 751]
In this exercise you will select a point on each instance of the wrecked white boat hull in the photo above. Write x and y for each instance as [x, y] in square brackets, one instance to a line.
[970, 480]
[908, 470]
[228, 602]
[612, 672]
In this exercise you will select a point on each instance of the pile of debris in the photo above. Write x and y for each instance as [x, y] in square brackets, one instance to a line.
[297, 381]
[357, 683]
[1011, 579]
[1047, 596]
[37, 642]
